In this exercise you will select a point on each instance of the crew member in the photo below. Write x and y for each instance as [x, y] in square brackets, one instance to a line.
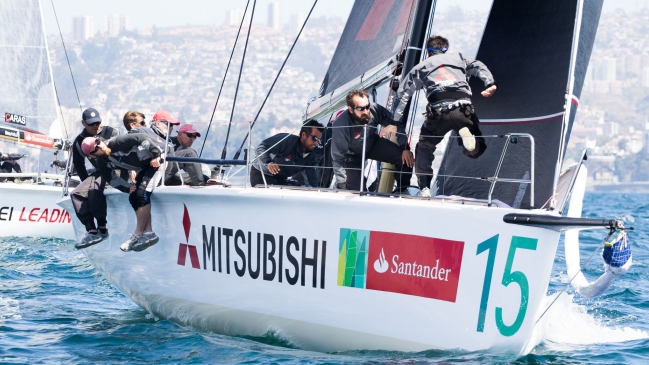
[133, 119]
[9, 163]
[284, 155]
[182, 148]
[88, 197]
[135, 152]
[347, 142]
[444, 75]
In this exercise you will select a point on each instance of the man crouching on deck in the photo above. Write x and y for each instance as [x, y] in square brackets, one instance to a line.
[284, 155]
[135, 152]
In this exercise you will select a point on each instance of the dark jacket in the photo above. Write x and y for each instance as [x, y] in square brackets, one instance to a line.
[128, 152]
[79, 158]
[441, 73]
[157, 136]
[347, 137]
[289, 156]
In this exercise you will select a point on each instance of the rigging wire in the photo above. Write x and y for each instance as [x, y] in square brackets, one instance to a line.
[66, 57]
[236, 39]
[236, 90]
[236, 155]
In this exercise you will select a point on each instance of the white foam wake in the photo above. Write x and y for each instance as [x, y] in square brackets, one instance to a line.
[568, 324]
[9, 309]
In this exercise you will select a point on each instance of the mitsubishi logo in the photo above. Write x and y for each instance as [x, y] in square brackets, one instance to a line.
[184, 247]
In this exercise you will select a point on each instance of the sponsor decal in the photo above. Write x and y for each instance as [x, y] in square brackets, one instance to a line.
[10, 133]
[357, 135]
[256, 255]
[15, 119]
[400, 263]
[39, 139]
[36, 215]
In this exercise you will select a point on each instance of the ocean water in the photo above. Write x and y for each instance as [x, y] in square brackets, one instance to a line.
[56, 309]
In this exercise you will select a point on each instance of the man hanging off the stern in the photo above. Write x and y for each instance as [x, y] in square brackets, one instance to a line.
[131, 152]
[444, 77]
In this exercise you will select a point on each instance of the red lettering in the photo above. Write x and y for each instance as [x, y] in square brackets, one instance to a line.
[33, 212]
[44, 215]
[21, 216]
[52, 218]
[374, 20]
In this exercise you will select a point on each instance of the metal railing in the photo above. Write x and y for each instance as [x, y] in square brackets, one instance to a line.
[510, 138]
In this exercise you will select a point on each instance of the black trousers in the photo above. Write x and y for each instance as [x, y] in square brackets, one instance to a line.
[382, 150]
[89, 202]
[432, 133]
[9, 165]
[257, 179]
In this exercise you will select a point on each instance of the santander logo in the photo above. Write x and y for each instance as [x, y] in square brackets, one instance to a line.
[381, 265]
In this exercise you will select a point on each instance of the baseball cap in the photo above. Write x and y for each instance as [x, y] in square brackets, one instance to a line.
[165, 115]
[91, 116]
[188, 128]
[88, 145]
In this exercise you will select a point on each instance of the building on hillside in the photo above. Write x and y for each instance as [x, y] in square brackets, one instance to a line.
[233, 16]
[83, 27]
[115, 24]
[273, 15]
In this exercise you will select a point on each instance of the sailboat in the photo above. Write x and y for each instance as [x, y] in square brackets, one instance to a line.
[333, 270]
[31, 127]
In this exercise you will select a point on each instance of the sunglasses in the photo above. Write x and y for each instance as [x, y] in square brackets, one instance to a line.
[314, 138]
[93, 124]
[141, 123]
[97, 142]
[362, 108]
[192, 136]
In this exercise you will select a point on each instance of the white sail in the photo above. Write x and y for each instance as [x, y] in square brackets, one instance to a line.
[27, 97]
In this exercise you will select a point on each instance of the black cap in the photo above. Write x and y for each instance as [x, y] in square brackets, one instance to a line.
[91, 116]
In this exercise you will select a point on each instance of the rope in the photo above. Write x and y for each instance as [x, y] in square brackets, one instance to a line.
[236, 90]
[577, 273]
[67, 58]
[236, 39]
[236, 155]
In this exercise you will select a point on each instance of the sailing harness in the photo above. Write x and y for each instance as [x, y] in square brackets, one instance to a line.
[435, 110]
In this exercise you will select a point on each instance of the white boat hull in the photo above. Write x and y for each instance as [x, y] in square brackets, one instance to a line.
[28, 210]
[421, 284]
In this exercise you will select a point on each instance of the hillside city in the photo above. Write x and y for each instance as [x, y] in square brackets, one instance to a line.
[180, 69]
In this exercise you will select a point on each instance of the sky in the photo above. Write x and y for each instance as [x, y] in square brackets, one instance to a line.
[146, 13]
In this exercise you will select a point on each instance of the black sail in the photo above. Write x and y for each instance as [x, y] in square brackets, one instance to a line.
[528, 46]
[374, 32]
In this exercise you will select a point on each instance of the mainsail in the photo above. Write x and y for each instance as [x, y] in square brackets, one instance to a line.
[27, 98]
[528, 46]
[374, 33]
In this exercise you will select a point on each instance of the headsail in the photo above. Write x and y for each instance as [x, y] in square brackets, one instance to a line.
[27, 98]
[374, 33]
[528, 47]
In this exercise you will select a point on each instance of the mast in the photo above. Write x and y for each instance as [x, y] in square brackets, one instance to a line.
[415, 43]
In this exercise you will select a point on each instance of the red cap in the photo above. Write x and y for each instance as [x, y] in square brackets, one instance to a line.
[165, 115]
[188, 128]
[88, 145]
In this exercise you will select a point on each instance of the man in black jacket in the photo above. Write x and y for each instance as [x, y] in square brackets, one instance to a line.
[131, 152]
[347, 142]
[444, 77]
[284, 155]
[88, 198]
